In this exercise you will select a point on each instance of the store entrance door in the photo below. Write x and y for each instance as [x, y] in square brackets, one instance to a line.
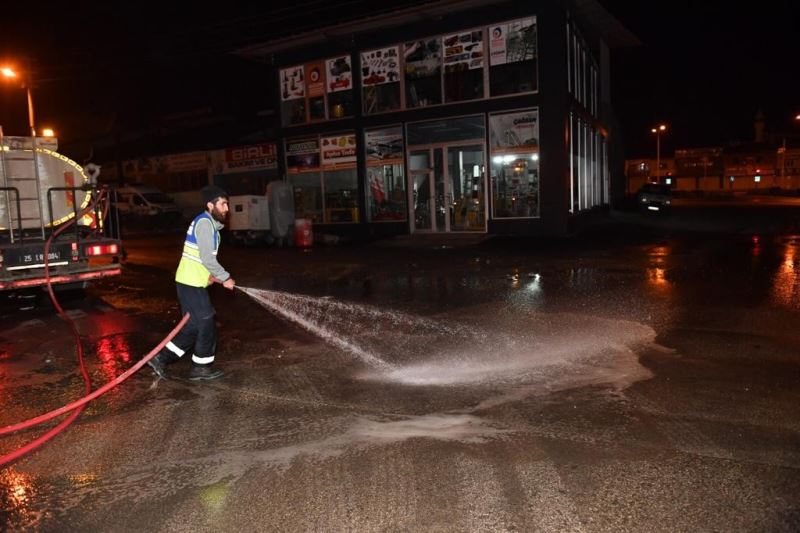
[448, 188]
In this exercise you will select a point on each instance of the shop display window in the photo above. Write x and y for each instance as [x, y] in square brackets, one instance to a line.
[386, 181]
[293, 95]
[423, 72]
[381, 98]
[513, 57]
[380, 80]
[293, 112]
[303, 167]
[463, 66]
[515, 185]
[515, 164]
[317, 91]
[339, 87]
[340, 104]
[387, 193]
[502, 58]
[307, 195]
[340, 178]
[322, 172]
[341, 195]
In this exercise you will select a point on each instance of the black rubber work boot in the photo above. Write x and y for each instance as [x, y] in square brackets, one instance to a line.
[159, 366]
[204, 372]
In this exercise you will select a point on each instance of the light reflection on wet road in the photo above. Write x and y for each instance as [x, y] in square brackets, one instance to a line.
[583, 386]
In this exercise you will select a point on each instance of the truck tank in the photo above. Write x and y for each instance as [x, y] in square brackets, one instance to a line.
[32, 175]
[41, 192]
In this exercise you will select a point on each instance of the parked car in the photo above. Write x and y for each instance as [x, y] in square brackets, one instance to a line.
[654, 197]
[145, 200]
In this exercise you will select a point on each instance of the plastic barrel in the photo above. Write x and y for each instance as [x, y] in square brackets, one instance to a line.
[303, 233]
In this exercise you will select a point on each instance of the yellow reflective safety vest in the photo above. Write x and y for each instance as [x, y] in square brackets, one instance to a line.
[191, 270]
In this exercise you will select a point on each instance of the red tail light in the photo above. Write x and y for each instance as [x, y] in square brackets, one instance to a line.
[102, 249]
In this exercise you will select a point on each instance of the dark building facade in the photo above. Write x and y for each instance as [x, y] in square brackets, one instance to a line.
[450, 117]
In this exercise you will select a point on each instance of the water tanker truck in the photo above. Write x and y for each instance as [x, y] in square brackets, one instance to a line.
[48, 201]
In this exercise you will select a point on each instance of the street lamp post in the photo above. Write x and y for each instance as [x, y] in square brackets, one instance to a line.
[9, 72]
[657, 131]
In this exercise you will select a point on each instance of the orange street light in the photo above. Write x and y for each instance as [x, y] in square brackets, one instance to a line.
[10, 73]
[657, 130]
[48, 132]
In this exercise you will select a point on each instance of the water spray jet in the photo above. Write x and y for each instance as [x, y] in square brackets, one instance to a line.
[272, 300]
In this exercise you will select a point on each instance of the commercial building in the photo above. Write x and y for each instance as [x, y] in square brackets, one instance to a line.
[453, 116]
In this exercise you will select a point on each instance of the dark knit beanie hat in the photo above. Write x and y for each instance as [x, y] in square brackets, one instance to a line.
[211, 193]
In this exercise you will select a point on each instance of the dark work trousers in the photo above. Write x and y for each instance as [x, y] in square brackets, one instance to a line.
[199, 336]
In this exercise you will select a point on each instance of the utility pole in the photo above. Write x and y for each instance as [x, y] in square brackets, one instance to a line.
[657, 131]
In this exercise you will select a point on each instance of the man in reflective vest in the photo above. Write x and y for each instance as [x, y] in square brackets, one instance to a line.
[196, 270]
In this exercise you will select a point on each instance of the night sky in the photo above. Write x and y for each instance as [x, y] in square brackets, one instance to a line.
[704, 68]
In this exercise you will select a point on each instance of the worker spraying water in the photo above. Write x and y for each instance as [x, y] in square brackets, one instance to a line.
[197, 269]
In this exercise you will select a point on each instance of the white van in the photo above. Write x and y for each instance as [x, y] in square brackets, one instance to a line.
[145, 200]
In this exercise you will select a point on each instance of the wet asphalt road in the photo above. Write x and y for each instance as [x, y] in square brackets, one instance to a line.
[646, 378]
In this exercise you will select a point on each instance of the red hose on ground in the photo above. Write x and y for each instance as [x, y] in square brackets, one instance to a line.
[99, 392]
[78, 405]
[79, 348]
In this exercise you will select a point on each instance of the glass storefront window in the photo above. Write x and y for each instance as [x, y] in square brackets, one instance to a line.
[515, 184]
[421, 167]
[513, 57]
[423, 72]
[317, 91]
[463, 66]
[466, 173]
[293, 111]
[380, 80]
[446, 131]
[303, 167]
[339, 87]
[514, 139]
[293, 95]
[324, 165]
[341, 196]
[501, 59]
[307, 195]
[340, 178]
[386, 183]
